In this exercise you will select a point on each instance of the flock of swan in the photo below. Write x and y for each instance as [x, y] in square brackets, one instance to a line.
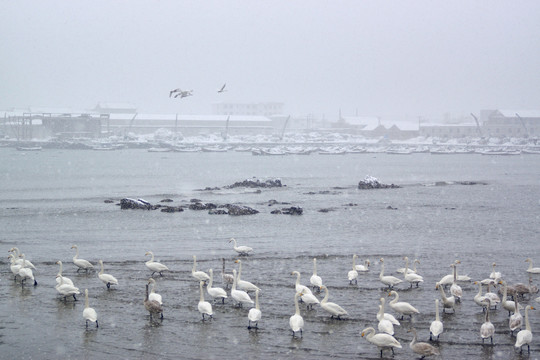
[384, 339]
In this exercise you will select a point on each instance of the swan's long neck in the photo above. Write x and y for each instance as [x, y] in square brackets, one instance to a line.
[297, 279]
[76, 253]
[152, 255]
[505, 292]
[487, 313]
[239, 269]
[223, 268]
[382, 270]
[479, 289]
[211, 281]
[527, 325]
[325, 295]
[370, 333]
[381, 310]
[202, 293]
[23, 261]
[257, 299]
[101, 271]
[314, 266]
[455, 272]
[17, 252]
[413, 341]
[194, 264]
[354, 262]
[443, 295]
[437, 310]
[530, 264]
[233, 288]
[86, 299]
[153, 282]
[414, 267]
[394, 300]
[146, 297]
[60, 271]
[406, 265]
[297, 308]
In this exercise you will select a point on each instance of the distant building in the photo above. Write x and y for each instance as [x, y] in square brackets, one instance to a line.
[261, 109]
[114, 108]
[510, 123]
[372, 127]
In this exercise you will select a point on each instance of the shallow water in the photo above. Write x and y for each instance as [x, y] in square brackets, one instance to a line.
[53, 199]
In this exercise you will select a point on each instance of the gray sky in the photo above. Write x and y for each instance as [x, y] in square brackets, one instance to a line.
[397, 59]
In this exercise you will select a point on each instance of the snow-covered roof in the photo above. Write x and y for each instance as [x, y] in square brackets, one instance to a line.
[115, 105]
[521, 113]
[232, 118]
[402, 125]
[361, 120]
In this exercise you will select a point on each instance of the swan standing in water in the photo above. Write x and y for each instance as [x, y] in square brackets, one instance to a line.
[524, 337]
[296, 322]
[388, 280]
[14, 267]
[60, 278]
[406, 270]
[205, 308]
[198, 275]
[242, 249]
[227, 279]
[515, 320]
[106, 278]
[26, 273]
[81, 263]
[215, 292]
[412, 278]
[402, 307]
[153, 295]
[385, 325]
[507, 304]
[381, 340]
[353, 274]
[365, 267]
[155, 266]
[89, 314]
[436, 327]
[487, 330]
[331, 307]
[240, 296]
[66, 289]
[242, 284]
[385, 315]
[255, 314]
[19, 260]
[532, 270]
[448, 302]
[152, 306]
[315, 279]
[455, 289]
[494, 274]
[422, 348]
[307, 296]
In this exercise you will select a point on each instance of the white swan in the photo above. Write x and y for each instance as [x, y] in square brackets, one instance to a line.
[227, 279]
[385, 325]
[524, 337]
[60, 278]
[479, 299]
[215, 292]
[402, 307]
[307, 296]
[89, 314]
[412, 278]
[436, 328]
[532, 270]
[14, 267]
[205, 308]
[240, 296]
[315, 279]
[296, 321]
[198, 275]
[455, 289]
[388, 280]
[19, 260]
[155, 266]
[387, 316]
[487, 330]
[493, 298]
[106, 278]
[382, 341]
[514, 322]
[448, 302]
[494, 274]
[331, 307]
[365, 267]
[422, 348]
[66, 289]
[406, 269]
[255, 314]
[26, 273]
[242, 284]
[152, 306]
[352, 275]
[241, 250]
[509, 305]
[81, 263]
[153, 294]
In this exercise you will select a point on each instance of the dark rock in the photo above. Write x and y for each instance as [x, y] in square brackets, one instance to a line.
[167, 200]
[389, 207]
[172, 209]
[217, 212]
[197, 206]
[108, 201]
[372, 183]
[277, 211]
[237, 210]
[195, 200]
[325, 210]
[293, 210]
[256, 183]
[128, 203]
[351, 204]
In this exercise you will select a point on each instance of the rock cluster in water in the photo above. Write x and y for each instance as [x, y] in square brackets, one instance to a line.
[373, 183]
[195, 204]
[250, 183]
[293, 210]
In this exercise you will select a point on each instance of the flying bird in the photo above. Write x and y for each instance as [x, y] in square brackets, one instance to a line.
[222, 88]
[184, 94]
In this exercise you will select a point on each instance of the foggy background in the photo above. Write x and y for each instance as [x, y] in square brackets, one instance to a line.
[391, 59]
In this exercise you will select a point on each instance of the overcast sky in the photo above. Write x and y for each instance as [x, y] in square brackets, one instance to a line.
[398, 59]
